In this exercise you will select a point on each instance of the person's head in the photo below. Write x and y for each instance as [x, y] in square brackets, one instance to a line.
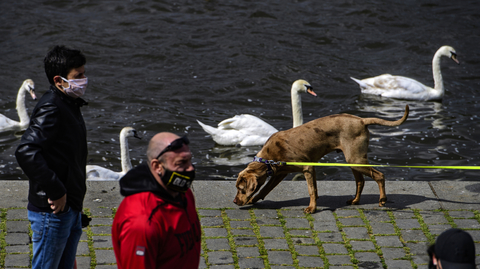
[453, 248]
[65, 68]
[170, 161]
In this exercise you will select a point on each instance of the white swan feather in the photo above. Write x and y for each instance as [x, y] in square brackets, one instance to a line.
[406, 88]
[7, 124]
[99, 173]
[248, 130]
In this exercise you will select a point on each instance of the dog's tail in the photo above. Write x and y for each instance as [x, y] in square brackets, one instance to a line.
[370, 121]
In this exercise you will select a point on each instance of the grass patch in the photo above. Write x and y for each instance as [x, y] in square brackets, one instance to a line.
[3, 243]
[91, 249]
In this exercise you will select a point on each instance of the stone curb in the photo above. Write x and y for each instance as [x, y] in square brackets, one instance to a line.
[275, 233]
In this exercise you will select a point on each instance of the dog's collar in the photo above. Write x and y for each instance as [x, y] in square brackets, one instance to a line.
[262, 160]
[268, 163]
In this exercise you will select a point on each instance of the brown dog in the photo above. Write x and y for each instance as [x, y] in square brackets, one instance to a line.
[308, 143]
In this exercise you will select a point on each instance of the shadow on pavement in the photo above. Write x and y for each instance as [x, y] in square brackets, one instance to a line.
[368, 201]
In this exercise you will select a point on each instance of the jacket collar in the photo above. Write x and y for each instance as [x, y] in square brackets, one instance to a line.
[77, 101]
[140, 179]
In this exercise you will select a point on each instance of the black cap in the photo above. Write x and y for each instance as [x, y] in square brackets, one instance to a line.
[455, 249]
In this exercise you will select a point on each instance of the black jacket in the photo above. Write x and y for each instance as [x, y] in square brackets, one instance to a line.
[53, 151]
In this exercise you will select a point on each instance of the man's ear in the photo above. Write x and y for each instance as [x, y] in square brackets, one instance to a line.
[57, 79]
[156, 166]
[434, 259]
[58, 82]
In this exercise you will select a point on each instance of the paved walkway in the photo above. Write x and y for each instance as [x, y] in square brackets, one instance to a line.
[276, 233]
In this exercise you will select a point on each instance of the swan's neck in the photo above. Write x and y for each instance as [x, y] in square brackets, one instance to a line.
[297, 109]
[21, 109]
[124, 154]
[437, 75]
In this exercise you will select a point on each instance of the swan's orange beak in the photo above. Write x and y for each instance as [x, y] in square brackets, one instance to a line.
[454, 58]
[32, 93]
[310, 91]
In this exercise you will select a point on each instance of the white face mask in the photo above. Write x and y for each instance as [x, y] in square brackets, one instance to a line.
[76, 87]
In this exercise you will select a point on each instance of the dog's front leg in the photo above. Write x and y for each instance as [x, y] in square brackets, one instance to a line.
[310, 177]
[272, 183]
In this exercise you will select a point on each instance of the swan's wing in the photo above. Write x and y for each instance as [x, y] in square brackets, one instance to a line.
[229, 137]
[254, 140]
[408, 84]
[6, 123]
[232, 137]
[98, 173]
[235, 137]
[375, 85]
[248, 124]
[410, 89]
[401, 87]
[385, 82]
[221, 136]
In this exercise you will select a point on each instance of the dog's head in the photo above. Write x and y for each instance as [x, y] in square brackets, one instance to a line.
[249, 182]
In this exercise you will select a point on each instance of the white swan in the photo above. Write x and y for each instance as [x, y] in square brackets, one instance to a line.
[99, 173]
[406, 88]
[7, 124]
[248, 130]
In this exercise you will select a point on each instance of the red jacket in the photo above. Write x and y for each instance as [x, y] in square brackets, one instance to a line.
[153, 230]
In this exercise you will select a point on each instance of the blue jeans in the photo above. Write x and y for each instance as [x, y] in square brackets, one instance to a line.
[55, 238]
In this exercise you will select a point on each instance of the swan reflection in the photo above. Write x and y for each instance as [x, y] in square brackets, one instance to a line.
[230, 156]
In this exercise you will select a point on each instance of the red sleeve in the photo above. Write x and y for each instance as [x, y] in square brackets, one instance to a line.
[138, 243]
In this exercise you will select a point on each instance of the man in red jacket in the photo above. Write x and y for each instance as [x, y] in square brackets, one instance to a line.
[156, 224]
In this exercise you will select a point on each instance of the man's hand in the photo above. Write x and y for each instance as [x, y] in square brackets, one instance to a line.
[58, 205]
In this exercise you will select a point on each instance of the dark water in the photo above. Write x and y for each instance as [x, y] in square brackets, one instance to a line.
[160, 65]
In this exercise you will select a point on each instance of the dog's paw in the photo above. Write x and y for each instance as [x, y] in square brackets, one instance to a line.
[382, 201]
[353, 202]
[310, 210]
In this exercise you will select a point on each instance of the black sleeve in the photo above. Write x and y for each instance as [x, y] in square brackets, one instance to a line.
[36, 140]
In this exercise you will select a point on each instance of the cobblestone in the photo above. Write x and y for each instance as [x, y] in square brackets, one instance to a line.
[340, 237]
[388, 241]
[362, 245]
[307, 250]
[275, 244]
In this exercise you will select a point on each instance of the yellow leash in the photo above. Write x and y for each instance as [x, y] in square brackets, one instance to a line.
[385, 165]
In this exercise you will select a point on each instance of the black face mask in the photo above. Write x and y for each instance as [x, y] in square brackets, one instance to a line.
[178, 181]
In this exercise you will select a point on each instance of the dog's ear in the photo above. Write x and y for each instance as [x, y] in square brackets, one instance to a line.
[241, 183]
[251, 184]
[246, 182]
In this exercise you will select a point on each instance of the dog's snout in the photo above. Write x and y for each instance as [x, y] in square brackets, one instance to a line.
[235, 200]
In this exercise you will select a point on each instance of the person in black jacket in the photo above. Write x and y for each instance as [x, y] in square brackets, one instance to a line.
[53, 155]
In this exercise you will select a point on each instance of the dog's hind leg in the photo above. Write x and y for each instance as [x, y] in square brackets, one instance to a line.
[377, 176]
[360, 182]
[358, 155]
[380, 179]
[309, 173]
[272, 183]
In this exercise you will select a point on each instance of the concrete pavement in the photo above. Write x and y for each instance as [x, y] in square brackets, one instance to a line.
[275, 233]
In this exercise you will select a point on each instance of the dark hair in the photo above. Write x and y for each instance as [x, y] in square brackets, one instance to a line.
[61, 60]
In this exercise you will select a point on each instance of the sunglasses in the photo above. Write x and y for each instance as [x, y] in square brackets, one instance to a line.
[176, 144]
